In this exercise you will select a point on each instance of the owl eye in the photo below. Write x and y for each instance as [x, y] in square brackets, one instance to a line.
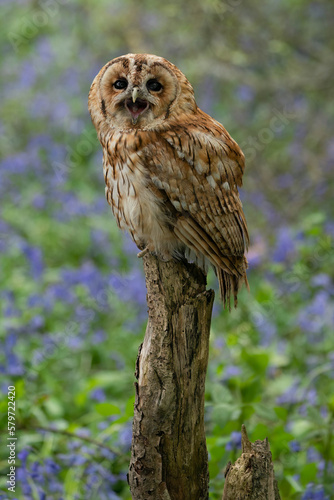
[120, 84]
[154, 85]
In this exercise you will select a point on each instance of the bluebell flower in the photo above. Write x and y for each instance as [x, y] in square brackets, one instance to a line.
[130, 287]
[245, 93]
[319, 303]
[51, 467]
[322, 280]
[235, 441]
[39, 201]
[313, 455]
[314, 492]
[36, 472]
[61, 291]
[23, 479]
[35, 258]
[265, 327]
[285, 180]
[231, 371]
[290, 396]
[27, 77]
[102, 426]
[285, 245]
[317, 315]
[72, 459]
[84, 432]
[125, 436]
[23, 455]
[15, 164]
[98, 394]
[87, 275]
[44, 52]
[294, 446]
[14, 365]
[37, 322]
[99, 336]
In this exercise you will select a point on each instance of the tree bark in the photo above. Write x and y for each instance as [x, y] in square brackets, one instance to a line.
[252, 476]
[169, 458]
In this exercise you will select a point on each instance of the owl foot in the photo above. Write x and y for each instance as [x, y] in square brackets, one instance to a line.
[142, 253]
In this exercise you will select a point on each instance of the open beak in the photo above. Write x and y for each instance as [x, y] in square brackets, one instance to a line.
[135, 105]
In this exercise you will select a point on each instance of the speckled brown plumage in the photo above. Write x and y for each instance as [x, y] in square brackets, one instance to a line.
[171, 171]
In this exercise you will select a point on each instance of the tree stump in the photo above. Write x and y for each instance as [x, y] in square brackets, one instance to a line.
[169, 458]
[252, 476]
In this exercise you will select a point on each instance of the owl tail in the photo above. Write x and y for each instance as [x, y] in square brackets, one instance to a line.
[229, 284]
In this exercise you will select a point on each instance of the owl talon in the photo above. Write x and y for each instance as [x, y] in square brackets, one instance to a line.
[142, 253]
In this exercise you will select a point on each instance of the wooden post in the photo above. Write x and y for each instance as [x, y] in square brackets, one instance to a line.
[169, 457]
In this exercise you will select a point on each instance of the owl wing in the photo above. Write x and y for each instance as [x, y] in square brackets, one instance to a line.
[199, 167]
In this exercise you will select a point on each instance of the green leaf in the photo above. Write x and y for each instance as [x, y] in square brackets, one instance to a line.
[295, 484]
[223, 413]
[282, 413]
[257, 360]
[265, 411]
[220, 393]
[308, 473]
[107, 409]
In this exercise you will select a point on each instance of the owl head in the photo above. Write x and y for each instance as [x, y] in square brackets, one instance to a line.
[139, 91]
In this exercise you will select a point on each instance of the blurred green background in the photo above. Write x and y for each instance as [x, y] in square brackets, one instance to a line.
[73, 307]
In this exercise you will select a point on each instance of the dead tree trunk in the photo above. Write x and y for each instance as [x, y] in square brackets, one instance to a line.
[252, 476]
[169, 457]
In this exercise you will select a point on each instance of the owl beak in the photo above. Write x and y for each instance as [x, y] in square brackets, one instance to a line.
[135, 93]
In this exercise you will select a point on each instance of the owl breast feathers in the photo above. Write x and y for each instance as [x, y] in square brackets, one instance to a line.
[171, 171]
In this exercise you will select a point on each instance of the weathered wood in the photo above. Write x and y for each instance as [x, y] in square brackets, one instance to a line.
[169, 457]
[252, 476]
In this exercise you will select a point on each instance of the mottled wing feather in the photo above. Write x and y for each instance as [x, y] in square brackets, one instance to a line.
[200, 169]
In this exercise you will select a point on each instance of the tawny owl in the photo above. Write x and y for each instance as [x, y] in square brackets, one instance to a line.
[171, 171]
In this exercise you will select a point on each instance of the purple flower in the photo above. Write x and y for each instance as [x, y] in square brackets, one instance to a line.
[294, 445]
[50, 467]
[72, 459]
[322, 280]
[125, 436]
[231, 371]
[317, 315]
[265, 327]
[60, 291]
[313, 455]
[87, 275]
[235, 441]
[99, 336]
[27, 77]
[23, 480]
[98, 394]
[285, 245]
[290, 396]
[14, 365]
[39, 201]
[245, 93]
[35, 258]
[23, 455]
[44, 52]
[37, 322]
[313, 492]
[130, 287]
